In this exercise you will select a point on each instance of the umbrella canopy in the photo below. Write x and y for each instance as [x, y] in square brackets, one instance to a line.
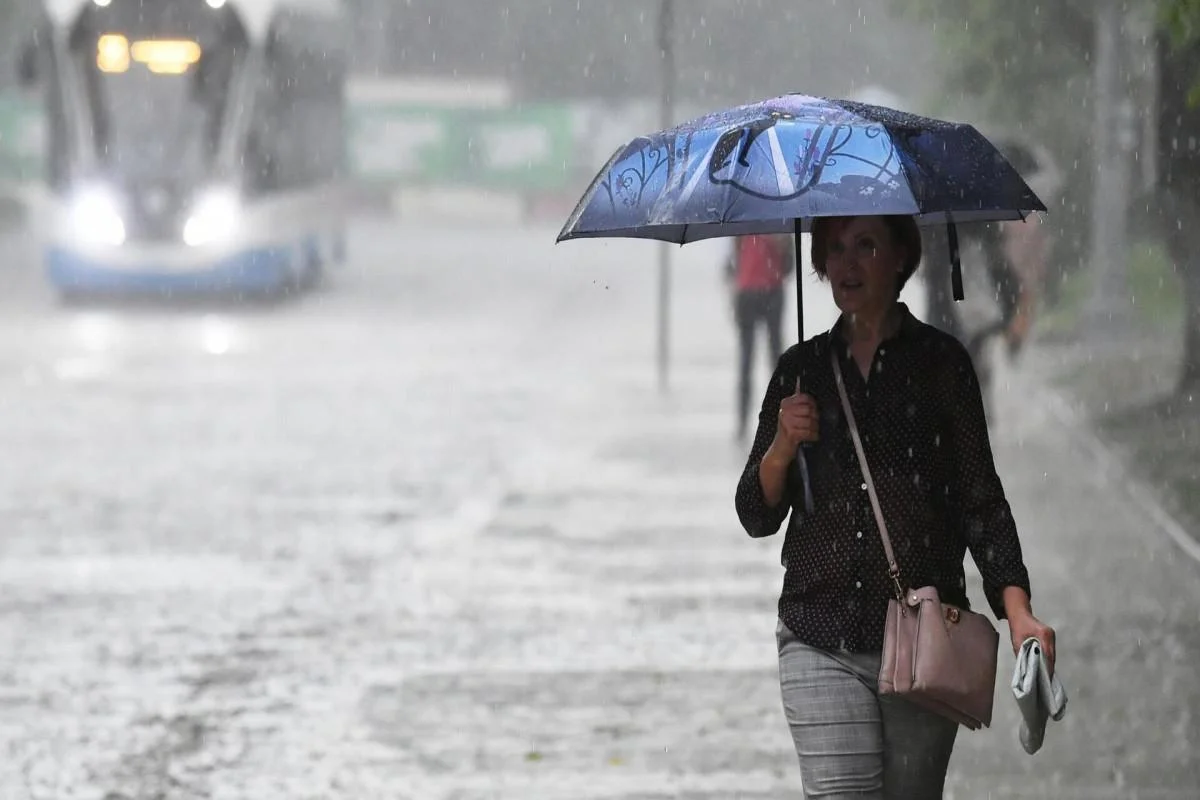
[759, 168]
[774, 166]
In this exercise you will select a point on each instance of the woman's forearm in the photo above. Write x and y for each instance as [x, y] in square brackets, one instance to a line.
[1016, 602]
[772, 475]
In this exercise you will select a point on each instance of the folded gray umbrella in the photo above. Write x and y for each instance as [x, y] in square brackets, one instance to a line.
[1039, 696]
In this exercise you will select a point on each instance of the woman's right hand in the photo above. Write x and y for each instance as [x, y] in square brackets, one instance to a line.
[799, 422]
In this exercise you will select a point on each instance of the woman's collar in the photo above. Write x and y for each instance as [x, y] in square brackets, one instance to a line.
[906, 326]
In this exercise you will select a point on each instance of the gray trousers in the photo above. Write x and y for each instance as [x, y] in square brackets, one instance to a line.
[852, 742]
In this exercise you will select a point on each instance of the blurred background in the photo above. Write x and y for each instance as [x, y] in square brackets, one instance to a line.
[328, 474]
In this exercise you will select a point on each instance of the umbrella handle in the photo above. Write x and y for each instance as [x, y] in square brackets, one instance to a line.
[802, 462]
[798, 276]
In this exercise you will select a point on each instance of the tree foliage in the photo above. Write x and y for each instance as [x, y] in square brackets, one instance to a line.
[1180, 19]
[1030, 67]
[1024, 66]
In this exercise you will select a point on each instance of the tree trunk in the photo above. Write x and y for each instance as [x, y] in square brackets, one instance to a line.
[1107, 313]
[1189, 376]
[1178, 161]
[1176, 216]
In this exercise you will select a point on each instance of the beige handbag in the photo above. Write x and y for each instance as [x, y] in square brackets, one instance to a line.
[936, 655]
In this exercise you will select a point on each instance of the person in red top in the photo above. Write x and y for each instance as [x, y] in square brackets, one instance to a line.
[756, 271]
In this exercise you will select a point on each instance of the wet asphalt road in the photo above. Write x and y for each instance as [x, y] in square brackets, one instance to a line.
[432, 533]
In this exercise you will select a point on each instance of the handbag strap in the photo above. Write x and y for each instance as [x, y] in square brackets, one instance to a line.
[893, 567]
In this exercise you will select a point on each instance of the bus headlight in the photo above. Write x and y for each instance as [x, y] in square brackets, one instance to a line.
[213, 218]
[95, 217]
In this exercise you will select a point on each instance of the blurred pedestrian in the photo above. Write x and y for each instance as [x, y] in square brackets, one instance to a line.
[1000, 292]
[1005, 266]
[756, 270]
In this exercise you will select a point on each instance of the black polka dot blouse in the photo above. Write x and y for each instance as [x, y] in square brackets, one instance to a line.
[922, 422]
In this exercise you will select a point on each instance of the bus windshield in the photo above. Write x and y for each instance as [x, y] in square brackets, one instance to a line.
[157, 78]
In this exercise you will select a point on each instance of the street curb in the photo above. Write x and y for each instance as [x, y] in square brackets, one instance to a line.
[1117, 472]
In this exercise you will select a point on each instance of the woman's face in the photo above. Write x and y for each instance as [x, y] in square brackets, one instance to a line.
[863, 265]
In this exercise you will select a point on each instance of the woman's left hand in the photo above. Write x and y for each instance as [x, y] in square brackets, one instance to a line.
[1025, 625]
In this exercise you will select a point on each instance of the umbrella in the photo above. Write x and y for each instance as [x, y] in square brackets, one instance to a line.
[1035, 163]
[774, 166]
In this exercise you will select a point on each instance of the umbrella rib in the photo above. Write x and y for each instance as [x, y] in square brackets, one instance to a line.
[907, 176]
[783, 178]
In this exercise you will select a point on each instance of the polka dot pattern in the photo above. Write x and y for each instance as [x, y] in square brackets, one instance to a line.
[923, 428]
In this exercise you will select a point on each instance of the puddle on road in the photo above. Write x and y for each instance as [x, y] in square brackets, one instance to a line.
[83, 369]
[671, 722]
[598, 534]
[133, 574]
[524, 533]
[670, 606]
[681, 454]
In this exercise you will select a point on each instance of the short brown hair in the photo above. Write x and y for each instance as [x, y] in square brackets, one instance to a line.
[902, 227]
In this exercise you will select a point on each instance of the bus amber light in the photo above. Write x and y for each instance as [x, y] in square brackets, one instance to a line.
[112, 53]
[166, 56]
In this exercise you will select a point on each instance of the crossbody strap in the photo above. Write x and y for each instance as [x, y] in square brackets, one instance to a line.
[893, 567]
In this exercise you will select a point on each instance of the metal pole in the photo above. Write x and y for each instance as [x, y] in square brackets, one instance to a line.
[666, 43]
[801, 453]
[797, 235]
[375, 23]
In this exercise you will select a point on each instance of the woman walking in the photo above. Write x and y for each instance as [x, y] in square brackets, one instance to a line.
[917, 402]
